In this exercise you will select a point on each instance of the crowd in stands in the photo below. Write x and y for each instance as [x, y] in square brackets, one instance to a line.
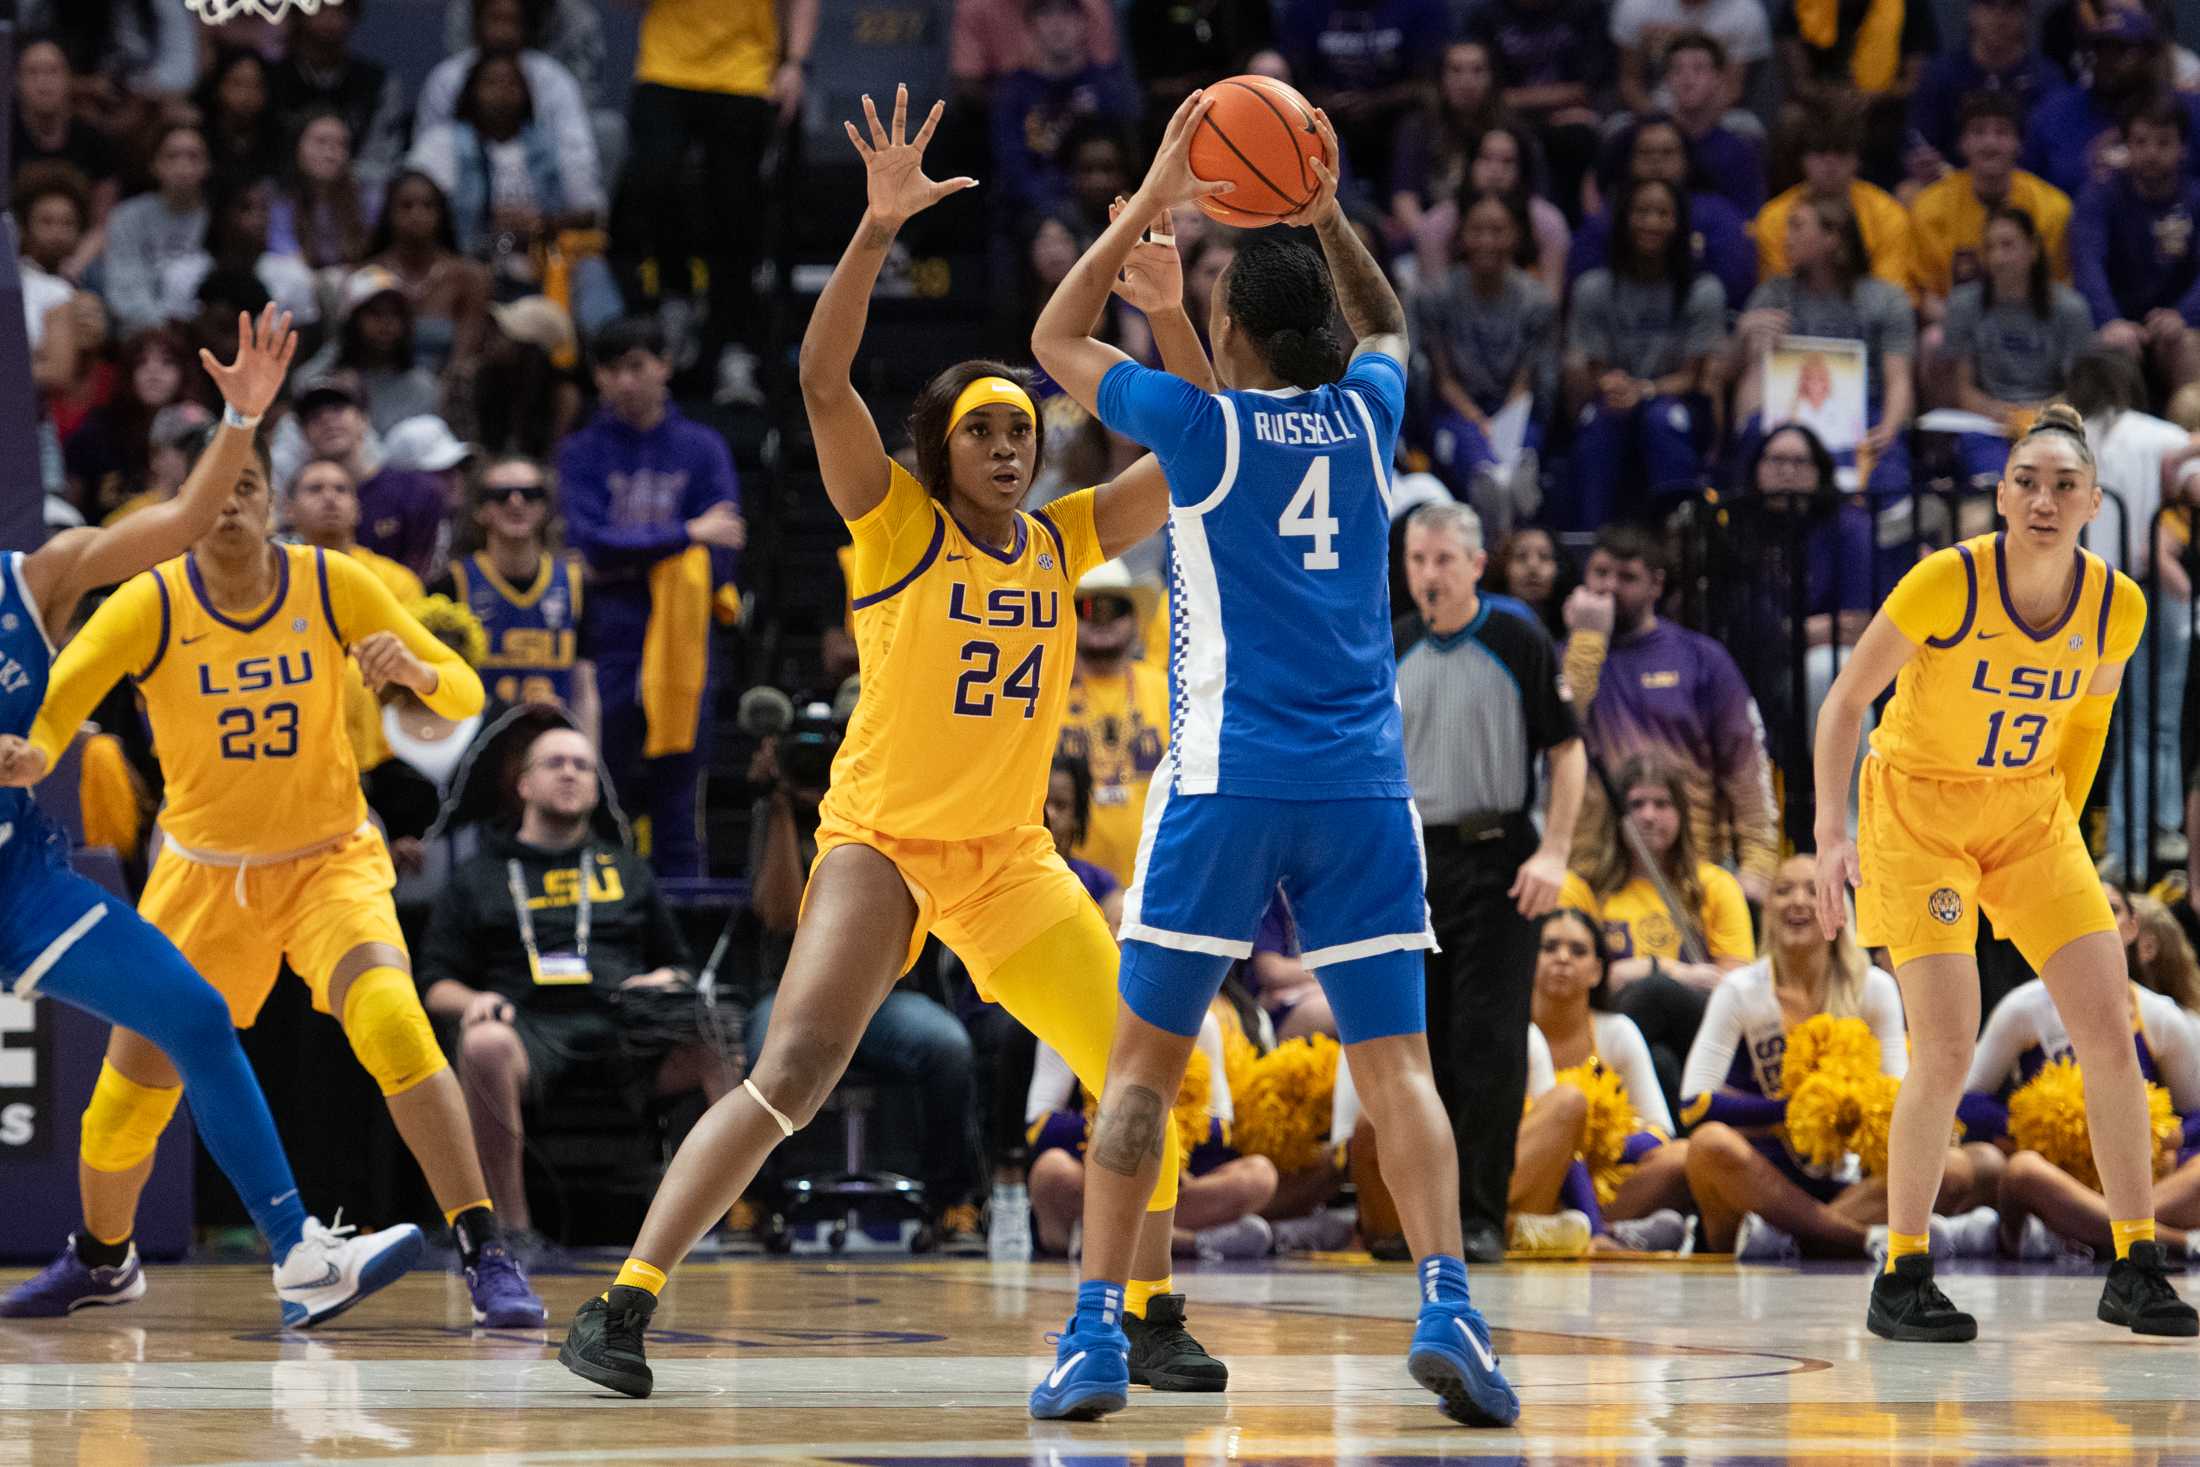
[1758, 277]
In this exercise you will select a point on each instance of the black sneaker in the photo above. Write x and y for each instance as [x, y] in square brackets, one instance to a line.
[1163, 1353]
[605, 1343]
[2140, 1298]
[954, 1233]
[1908, 1305]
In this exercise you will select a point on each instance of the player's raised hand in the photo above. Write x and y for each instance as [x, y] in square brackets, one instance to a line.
[1324, 202]
[1170, 181]
[1838, 870]
[264, 350]
[893, 162]
[21, 763]
[1153, 277]
[384, 659]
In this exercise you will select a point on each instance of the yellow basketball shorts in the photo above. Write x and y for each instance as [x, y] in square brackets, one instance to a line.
[985, 898]
[1936, 851]
[236, 927]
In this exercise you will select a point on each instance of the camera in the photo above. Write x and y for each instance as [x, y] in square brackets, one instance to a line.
[805, 736]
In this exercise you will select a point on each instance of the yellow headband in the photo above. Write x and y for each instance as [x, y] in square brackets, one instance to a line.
[983, 393]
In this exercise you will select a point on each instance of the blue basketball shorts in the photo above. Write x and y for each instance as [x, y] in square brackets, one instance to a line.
[1208, 867]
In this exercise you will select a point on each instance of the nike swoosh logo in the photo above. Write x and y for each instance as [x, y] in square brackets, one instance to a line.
[334, 1275]
[1056, 1376]
[187, 641]
[951, 555]
[1988, 636]
[1481, 1351]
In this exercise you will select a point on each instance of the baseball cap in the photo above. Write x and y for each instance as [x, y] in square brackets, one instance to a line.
[328, 390]
[367, 282]
[424, 444]
[176, 422]
[537, 321]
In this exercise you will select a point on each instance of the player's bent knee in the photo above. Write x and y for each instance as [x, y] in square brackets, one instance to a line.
[389, 1031]
[124, 1121]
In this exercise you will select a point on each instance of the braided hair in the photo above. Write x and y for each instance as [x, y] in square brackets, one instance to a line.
[1279, 293]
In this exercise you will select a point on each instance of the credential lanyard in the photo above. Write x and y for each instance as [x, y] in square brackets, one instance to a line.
[581, 919]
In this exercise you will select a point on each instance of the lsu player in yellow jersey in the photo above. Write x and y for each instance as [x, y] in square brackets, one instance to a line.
[2006, 652]
[933, 822]
[239, 650]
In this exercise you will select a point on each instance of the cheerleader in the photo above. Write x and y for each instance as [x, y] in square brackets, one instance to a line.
[1756, 1196]
[2045, 1210]
[1571, 1029]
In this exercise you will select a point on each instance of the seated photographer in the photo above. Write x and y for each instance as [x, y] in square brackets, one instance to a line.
[547, 973]
[913, 1039]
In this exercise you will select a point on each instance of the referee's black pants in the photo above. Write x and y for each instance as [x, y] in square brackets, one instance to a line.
[1481, 985]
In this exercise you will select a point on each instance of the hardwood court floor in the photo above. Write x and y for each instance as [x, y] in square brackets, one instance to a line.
[871, 1363]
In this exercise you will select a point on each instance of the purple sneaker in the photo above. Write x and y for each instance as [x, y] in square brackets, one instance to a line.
[502, 1299]
[67, 1285]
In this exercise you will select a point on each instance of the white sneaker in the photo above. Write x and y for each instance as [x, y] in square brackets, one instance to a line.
[1008, 1229]
[1975, 1234]
[1662, 1231]
[1757, 1241]
[1549, 1235]
[332, 1269]
[1248, 1237]
[1940, 1241]
[2039, 1243]
[1323, 1231]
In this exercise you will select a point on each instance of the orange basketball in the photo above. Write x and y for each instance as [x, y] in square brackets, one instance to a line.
[1259, 134]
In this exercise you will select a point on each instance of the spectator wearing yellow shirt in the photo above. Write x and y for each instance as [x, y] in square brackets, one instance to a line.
[1831, 150]
[720, 76]
[1665, 963]
[1118, 715]
[1948, 218]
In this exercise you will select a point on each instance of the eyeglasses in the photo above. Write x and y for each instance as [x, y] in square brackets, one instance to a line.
[1102, 608]
[497, 493]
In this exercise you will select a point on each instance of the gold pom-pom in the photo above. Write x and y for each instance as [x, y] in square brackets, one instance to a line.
[2047, 1115]
[1823, 1042]
[1870, 1141]
[453, 625]
[1825, 1114]
[1604, 1131]
[1239, 1055]
[1283, 1107]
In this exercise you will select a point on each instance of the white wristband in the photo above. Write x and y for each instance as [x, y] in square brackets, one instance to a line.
[236, 419]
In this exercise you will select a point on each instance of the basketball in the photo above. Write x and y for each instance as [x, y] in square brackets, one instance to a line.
[1260, 134]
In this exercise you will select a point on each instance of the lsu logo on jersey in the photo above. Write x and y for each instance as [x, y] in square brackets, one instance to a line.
[1945, 906]
[563, 888]
[1007, 606]
[2030, 684]
[255, 675]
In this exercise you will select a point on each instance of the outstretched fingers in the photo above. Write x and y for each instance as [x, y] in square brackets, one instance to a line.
[878, 128]
[901, 113]
[931, 124]
[863, 149]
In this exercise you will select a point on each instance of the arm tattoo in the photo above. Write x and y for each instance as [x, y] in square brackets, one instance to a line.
[877, 236]
[1370, 306]
[1129, 1130]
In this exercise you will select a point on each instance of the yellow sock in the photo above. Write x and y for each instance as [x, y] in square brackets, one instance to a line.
[1138, 1291]
[635, 1274]
[1902, 1245]
[2139, 1230]
[450, 1214]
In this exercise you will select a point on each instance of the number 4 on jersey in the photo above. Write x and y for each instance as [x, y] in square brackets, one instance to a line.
[1308, 514]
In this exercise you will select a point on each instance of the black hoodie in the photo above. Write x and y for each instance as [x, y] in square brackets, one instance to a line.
[474, 935]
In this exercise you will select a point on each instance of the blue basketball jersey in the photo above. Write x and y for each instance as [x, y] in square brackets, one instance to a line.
[1282, 678]
[25, 659]
[534, 631]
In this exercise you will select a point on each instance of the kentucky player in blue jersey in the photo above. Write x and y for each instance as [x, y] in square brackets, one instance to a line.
[62, 937]
[1286, 759]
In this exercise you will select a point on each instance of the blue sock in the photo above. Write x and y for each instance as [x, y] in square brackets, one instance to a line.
[125, 972]
[1100, 1301]
[1443, 1279]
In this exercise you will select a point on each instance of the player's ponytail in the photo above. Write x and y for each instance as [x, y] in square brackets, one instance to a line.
[1279, 294]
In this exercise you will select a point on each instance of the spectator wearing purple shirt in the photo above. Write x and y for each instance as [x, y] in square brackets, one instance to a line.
[641, 484]
[1368, 63]
[1718, 233]
[1997, 56]
[1556, 62]
[1034, 109]
[1726, 163]
[2073, 138]
[401, 515]
[1651, 686]
[2133, 250]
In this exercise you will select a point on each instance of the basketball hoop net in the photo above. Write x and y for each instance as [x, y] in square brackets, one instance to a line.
[221, 12]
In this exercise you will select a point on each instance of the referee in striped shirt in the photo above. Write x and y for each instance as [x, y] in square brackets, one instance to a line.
[1484, 703]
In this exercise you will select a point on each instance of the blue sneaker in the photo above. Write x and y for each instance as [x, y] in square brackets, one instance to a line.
[1092, 1361]
[502, 1298]
[67, 1285]
[330, 1269]
[1451, 1356]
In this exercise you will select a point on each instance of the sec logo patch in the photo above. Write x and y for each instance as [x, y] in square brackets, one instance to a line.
[1945, 906]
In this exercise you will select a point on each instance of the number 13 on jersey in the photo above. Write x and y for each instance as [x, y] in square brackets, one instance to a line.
[1308, 515]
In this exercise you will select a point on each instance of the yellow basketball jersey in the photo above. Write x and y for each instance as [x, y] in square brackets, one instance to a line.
[1120, 727]
[966, 654]
[1987, 695]
[248, 712]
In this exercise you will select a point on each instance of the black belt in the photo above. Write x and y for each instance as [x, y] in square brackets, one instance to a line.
[1475, 829]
